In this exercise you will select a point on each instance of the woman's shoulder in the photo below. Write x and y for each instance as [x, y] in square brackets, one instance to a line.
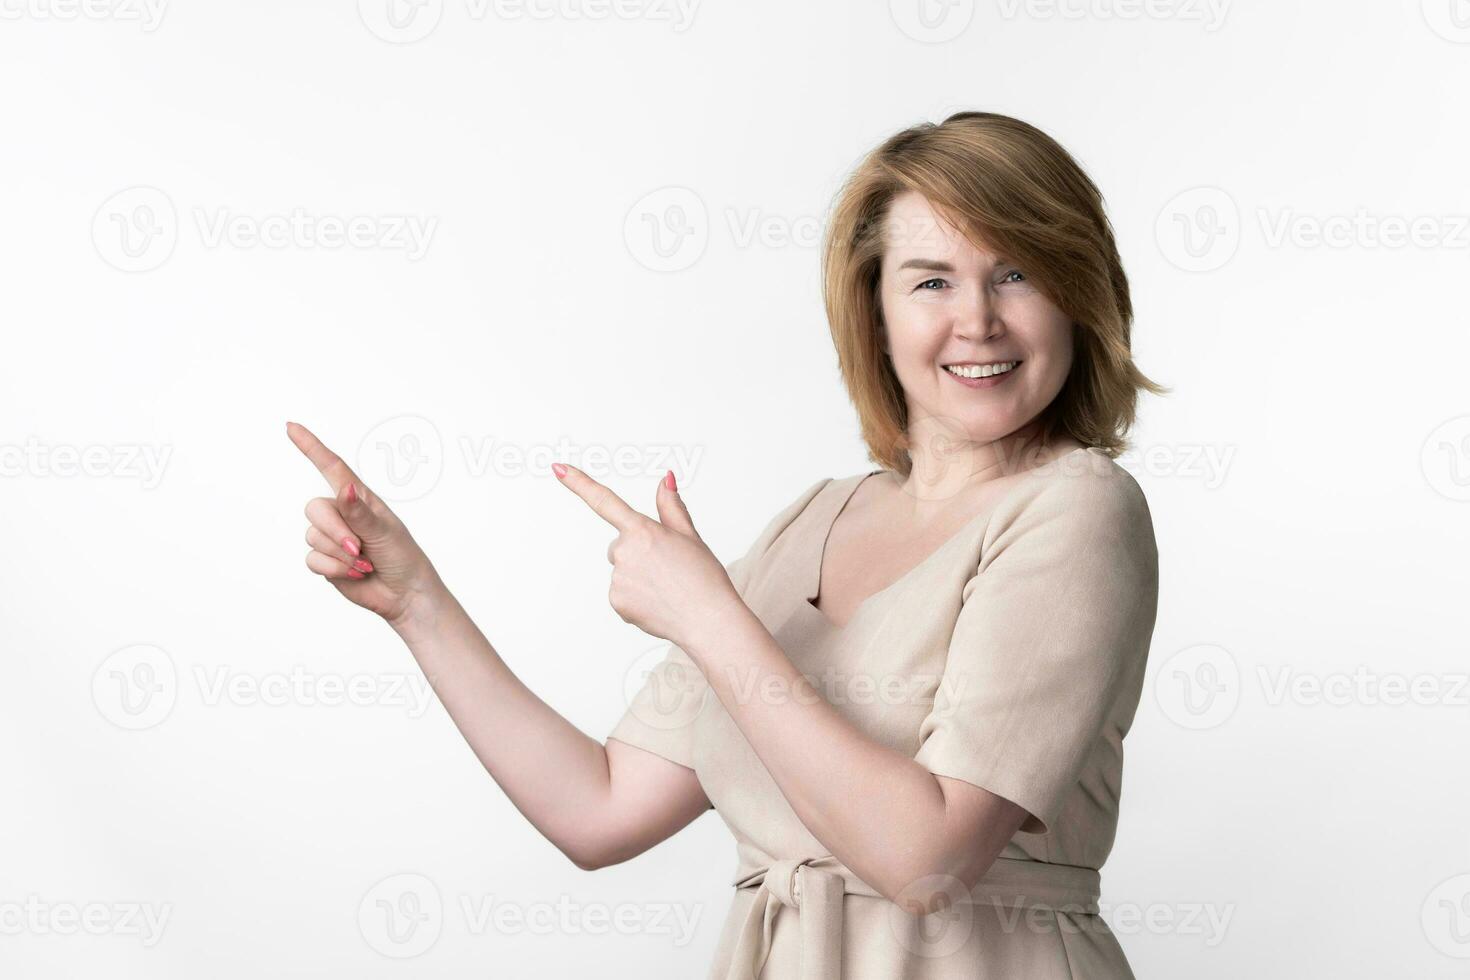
[790, 511]
[1080, 489]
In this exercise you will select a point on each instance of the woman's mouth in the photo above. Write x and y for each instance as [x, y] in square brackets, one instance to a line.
[982, 375]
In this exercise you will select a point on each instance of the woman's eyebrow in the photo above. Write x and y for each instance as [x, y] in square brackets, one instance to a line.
[933, 265]
[936, 265]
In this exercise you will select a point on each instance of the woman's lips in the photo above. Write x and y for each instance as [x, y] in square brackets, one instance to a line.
[990, 382]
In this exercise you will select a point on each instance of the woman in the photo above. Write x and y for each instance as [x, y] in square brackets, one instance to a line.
[908, 698]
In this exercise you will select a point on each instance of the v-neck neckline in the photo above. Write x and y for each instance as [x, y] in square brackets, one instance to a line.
[813, 570]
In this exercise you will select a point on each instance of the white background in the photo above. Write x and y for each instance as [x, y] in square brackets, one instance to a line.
[1287, 810]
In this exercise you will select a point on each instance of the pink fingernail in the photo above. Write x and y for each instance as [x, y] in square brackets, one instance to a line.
[354, 573]
[351, 547]
[559, 469]
[351, 492]
[363, 565]
[669, 481]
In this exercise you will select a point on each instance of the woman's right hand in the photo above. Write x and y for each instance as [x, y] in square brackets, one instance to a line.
[358, 544]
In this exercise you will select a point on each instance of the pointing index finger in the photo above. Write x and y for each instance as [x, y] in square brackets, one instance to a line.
[338, 473]
[606, 504]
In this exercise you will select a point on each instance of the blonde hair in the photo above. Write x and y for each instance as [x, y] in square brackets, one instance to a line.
[1008, 185]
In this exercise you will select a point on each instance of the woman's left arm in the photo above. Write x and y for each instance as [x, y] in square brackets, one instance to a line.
[896, 825]
[1052, 631]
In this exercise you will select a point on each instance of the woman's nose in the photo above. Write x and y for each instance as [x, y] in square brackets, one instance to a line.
[979, 318]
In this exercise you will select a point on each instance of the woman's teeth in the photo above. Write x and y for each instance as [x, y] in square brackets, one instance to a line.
[980, 370]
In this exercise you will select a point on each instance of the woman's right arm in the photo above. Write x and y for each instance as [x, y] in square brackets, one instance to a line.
[598, 804]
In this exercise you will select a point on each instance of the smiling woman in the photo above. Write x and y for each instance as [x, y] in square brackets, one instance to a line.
[997, 575]
[979, 608]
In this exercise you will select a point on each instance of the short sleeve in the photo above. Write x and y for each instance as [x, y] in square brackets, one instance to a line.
[1053, 628]
[667, 696]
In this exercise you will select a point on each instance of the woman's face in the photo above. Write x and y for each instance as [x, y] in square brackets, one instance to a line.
[947, 303]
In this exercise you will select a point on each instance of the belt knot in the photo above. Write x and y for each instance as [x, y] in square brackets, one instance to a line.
[783, 881]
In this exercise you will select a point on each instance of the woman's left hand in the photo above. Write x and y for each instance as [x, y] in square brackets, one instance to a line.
[665, 579]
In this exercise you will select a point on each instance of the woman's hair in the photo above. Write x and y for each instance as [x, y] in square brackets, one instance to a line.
[1007, 187]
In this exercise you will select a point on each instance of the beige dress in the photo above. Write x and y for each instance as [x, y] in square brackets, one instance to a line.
[1012, 657]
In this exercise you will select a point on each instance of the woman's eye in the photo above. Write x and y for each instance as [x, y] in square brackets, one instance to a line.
[927, 282]
[1014, 272]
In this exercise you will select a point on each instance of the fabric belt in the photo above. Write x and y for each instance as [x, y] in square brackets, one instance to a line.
[814, 887]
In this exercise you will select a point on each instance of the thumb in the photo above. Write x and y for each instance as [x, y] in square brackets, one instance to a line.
[356, 509]
[671, 510]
